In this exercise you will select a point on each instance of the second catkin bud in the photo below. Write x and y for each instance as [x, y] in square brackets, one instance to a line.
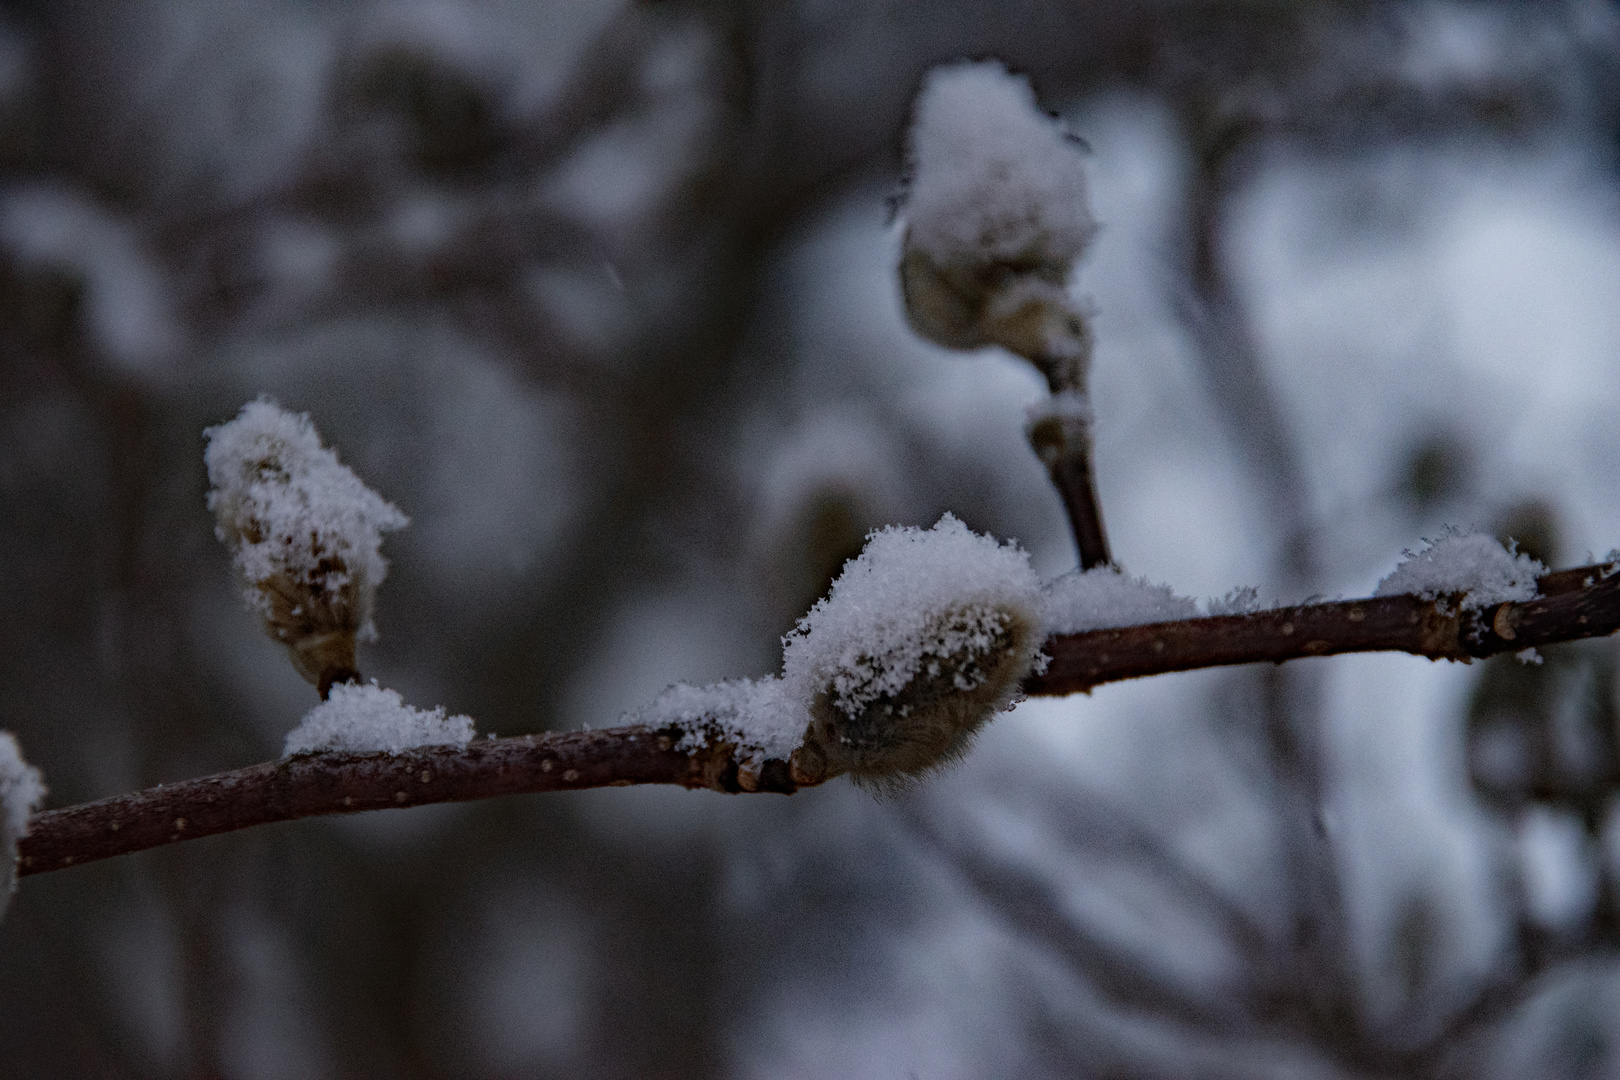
[922, 639]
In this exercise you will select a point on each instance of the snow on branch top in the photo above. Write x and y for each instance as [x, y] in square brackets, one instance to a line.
[754, 715]
[874, 630]
[371, 718]
[1473, 565]
[1106, 597]
[21, 792]
[304, 532]
[993, 178]
[923, 637]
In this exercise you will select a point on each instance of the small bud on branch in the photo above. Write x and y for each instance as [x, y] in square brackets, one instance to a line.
[304, 533]
[884, 738]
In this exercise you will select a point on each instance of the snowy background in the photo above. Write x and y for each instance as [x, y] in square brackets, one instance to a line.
[604, 297]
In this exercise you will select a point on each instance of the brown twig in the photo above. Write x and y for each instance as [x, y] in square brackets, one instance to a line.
[345, 783]
[1063, 443]
[1574, 604]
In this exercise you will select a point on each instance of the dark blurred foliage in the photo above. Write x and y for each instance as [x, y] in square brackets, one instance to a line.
[539, 272]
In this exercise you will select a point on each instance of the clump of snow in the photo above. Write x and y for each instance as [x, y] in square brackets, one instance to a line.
[370, 718]
[22, 790]
[755, 714]
[294, 517]
[1474, 565]
[886, 616]
[993, 178]
[1105, 597]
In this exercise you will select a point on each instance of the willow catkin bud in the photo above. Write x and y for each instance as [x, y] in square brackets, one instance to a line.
[305, 536]
[972, 662]
[968, 306]
[924, 637]
[997, 215]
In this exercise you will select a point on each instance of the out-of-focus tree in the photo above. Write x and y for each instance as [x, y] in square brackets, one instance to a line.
[603, 296]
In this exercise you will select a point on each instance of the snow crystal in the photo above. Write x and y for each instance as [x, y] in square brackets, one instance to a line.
[1473, 564]
[290, 511]
[755, 714]
[886, 616]
[993, 178]
[21, 793]
[1242, 600]
[1105, 597]
[370, 718]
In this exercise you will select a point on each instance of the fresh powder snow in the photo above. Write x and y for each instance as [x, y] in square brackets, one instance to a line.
[882, 621]
[22, 790]
[1474, 565]
[290, 511]
[369, 719]
[1105, 597]
[993, 178]
[754, 714]
[1241, 600]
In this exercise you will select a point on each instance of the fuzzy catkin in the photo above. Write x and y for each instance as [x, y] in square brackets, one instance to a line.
[997, 214]
[976, 659]
[304, 533]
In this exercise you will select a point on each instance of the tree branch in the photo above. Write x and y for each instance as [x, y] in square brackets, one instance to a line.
[1063, 443]
[1574, 604]
[1579, 603]
[313, 785]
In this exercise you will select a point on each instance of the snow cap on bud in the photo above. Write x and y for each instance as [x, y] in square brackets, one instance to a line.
[305, 536]
[993, 178]
[997, 214]
[924, 636]
[21, 792]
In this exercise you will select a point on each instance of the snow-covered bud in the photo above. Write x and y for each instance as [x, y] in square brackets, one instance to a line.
[972, 660]
[997, 214]
[21, 792]
[305, 536]
[922, 639]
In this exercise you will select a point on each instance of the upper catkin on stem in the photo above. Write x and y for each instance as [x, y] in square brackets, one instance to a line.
[922, 639]
[997, 214]
[305, 536]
